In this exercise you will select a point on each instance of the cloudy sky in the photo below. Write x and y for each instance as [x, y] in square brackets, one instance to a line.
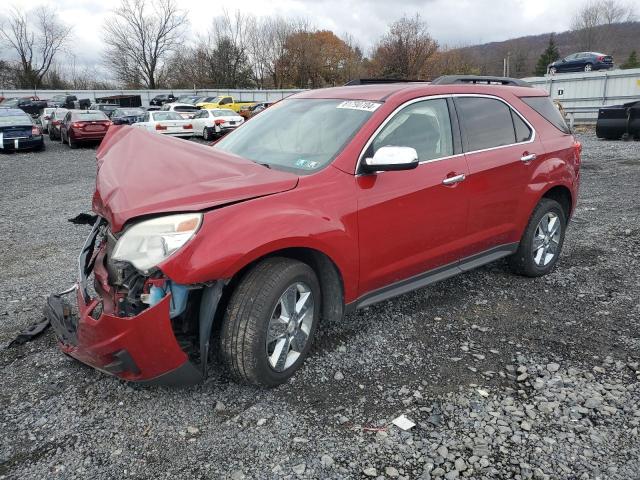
[451, 22]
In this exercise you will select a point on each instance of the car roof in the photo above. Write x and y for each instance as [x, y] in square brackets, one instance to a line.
[381, 92]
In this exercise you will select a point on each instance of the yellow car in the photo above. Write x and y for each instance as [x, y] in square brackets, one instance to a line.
[225, 102]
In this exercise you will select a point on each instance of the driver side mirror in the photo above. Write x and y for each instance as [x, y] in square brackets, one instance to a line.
[392, 158]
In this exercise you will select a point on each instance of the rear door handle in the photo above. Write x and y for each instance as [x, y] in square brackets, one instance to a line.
[528, 157]
[453, 180]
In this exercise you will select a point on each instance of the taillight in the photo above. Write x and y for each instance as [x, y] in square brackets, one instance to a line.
[578, 148]
[35, 131]
[47, 117]
[160, 127]
[187, 126]
[55, 122]
[600, 58]
[76, 125]
[219, 122]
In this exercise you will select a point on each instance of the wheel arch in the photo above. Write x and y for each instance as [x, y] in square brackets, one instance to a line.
[562, 195]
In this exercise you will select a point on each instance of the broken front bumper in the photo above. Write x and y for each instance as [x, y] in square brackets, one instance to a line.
[141, 348]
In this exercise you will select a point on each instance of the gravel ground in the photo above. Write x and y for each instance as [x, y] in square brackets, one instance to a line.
[505, 377]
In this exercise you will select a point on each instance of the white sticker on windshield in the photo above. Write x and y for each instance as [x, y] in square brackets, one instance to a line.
[359, 105]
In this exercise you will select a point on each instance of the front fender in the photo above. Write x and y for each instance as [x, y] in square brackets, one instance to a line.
[232, 237]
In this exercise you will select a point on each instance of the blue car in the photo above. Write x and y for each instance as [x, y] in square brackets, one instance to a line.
[582, 62]
[18, 132]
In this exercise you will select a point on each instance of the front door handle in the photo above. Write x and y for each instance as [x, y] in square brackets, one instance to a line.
[528, 157]
[453, 180]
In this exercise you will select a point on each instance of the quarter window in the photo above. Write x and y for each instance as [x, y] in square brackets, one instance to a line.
[489, 123]
[424, 125]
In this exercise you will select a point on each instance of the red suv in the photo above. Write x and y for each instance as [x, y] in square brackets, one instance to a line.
[328, 201]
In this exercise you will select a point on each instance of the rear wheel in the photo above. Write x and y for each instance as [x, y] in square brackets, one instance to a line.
[270, 322]
[542, 240]
[72, 143]
[552, 71]
[588, 67]
[205, 133]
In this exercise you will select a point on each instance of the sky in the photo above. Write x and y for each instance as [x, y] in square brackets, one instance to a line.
[451, 22]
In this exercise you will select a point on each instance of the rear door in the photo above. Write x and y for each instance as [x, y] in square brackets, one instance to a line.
[500, 148]
[410, 222]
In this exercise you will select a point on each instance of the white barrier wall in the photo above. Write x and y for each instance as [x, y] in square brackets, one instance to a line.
[147, 95]
[595, 89]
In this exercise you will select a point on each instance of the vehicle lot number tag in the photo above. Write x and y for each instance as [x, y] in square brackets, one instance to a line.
[359, 105]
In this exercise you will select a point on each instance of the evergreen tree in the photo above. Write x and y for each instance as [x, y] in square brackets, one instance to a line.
[550, 55]
[632, 61]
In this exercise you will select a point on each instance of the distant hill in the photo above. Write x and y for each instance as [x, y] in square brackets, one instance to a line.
[617, 40]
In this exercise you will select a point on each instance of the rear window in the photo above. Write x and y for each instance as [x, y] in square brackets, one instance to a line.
[90, 116]
[160, 116]
[545, 107]
[185, 109]
[14, 118]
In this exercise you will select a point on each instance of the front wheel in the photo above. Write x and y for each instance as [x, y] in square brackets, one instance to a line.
[205, 134]
[270, 322]
[588, 67]
[542, 240]
[72, 143]
[552, 71]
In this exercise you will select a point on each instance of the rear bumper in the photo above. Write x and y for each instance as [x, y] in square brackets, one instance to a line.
[141, 348]
[87, 136]
[23, 143]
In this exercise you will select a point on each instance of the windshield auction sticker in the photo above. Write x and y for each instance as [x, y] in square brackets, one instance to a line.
[359, 105]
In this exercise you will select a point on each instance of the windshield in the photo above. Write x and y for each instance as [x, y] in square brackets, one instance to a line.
[160, 116]
[224, 113]
[302, 135]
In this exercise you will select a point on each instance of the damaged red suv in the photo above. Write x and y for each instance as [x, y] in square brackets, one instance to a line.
[329, 201]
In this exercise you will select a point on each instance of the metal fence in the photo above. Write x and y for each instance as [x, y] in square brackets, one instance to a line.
[147, 95]
[582, 93]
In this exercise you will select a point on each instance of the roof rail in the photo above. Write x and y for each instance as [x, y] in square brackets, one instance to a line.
[374, 81]
[474, 79]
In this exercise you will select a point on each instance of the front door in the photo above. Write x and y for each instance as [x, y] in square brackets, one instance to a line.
[410, 221]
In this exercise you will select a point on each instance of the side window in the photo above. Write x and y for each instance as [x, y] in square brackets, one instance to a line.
[523, 132]
[486, 123]
[146, 117]
[67, 117]
[424, 125]
[225, 101]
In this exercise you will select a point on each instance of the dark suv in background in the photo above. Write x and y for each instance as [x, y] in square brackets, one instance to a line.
[582, 62]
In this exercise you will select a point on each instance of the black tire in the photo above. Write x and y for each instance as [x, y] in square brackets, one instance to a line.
[52, 135]
[523, 262]
[72, 143]
[588, 67]
[552, 71]
[243, 336]
[205, 134]
[39, 147]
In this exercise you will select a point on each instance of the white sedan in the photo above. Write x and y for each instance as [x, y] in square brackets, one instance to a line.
[166, 123]
[185, 110]
[214, 122]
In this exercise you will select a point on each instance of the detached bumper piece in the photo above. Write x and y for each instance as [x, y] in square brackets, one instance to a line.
[619, 121]
[140, 348]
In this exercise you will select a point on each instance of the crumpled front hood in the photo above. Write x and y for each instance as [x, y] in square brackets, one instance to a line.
[142, 173]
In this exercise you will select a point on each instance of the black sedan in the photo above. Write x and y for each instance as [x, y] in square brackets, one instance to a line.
[126, 116]
[582, 62]
[18, 132]
[160, 100]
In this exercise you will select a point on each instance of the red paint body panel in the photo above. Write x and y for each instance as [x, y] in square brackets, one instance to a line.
[141, 173]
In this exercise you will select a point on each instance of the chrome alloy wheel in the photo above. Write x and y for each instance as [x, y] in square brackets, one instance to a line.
[290, 326]
[546, 240]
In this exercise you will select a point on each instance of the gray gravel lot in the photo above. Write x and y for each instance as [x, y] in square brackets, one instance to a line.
[505, 377]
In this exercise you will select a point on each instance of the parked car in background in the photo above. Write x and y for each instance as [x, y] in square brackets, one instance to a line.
[45, 118]
[18, 132]
[166, 123]
[54, 122]
[29, 105]
[185, 110]
[249, 111]
[204, 100]
[80, 126]
[107, 108]
[333, 200]
[126, 116]
[152, 108]
[69, 102]
[160, 100]
[582, 62]
[227, 102]
[209, 124]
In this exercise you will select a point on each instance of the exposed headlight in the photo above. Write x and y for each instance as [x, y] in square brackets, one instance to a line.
[149, 242]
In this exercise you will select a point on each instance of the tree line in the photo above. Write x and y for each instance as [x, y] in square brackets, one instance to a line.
[147, 45]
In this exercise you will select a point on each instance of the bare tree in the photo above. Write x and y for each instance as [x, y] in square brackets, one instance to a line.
[140, 36]
[593, 15]
[615, 11]
[36, 37]
[405, 51]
